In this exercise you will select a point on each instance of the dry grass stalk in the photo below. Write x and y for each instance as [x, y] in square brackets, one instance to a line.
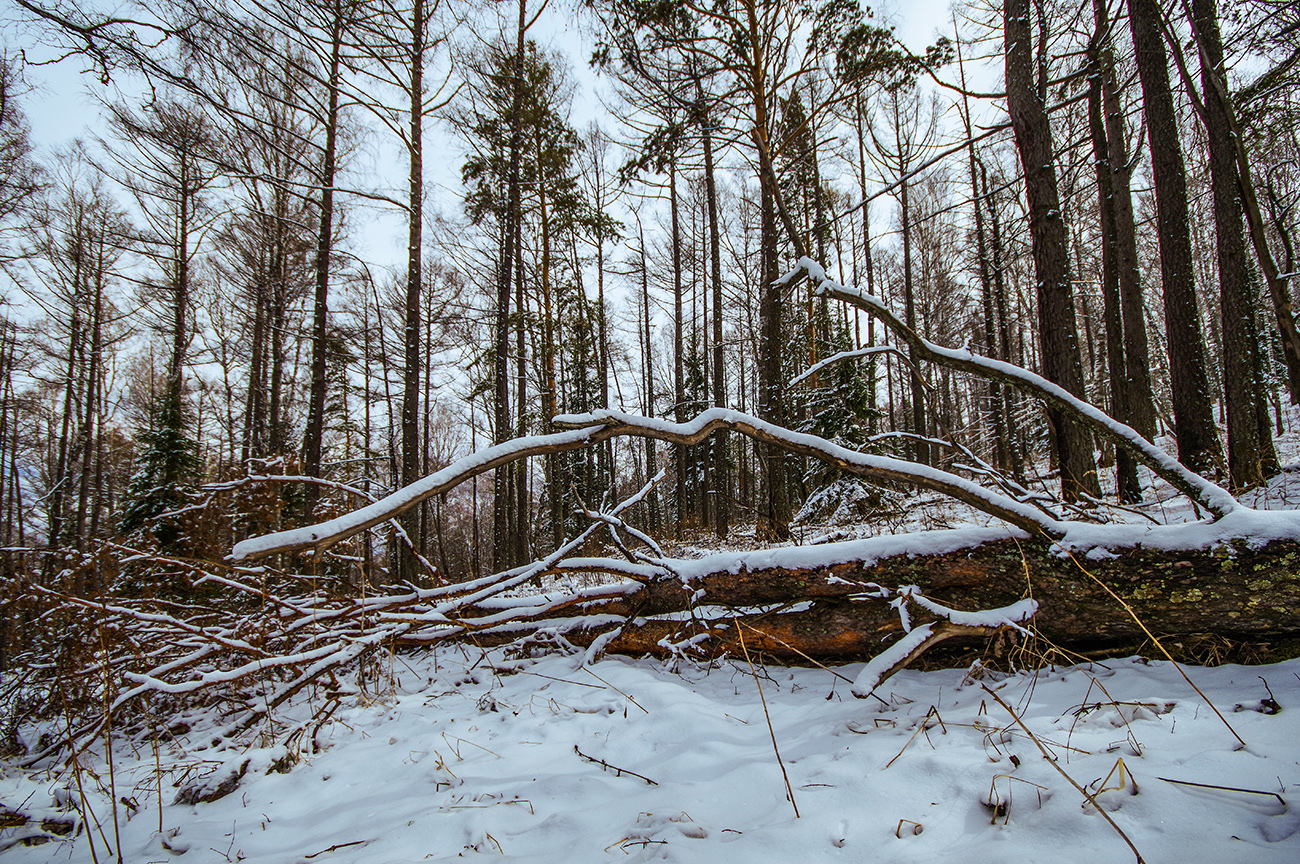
[772, 732]
[1048, 756]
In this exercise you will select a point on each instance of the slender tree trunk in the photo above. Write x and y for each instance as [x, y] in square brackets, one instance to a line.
[1127, 485]
[1058, 335]
[680, 454]
[8, 427]
[550, 387]
[408, 568]
[1010, 403]
[992, 402]
[521, 523]
[504, 509]
[277, 439]
[254, 397]
[647, 359]
[774, 508]
[315, 433]
[90, 432]
[1137, 382]
[721, 446]
[1250, 448]
[58, 495]
[1198, 440]
[873, 422]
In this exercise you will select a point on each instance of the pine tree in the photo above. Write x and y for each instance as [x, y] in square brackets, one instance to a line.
[167, 469]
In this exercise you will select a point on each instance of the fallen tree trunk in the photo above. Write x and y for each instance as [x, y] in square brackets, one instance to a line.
[818, 611]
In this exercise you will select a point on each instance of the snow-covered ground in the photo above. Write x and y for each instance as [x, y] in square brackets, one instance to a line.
[457, 760]
[453, 754]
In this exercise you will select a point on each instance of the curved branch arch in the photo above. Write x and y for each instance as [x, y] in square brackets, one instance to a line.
[1214, 498]
[585, 430]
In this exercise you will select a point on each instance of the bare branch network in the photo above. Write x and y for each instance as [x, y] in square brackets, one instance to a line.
[823, 602]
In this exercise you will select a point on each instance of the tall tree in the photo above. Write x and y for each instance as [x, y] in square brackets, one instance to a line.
[396, 42]
[1057, 331]
[1198, 440]
[1250, 446]
[164, 159]
[329, 24]
[83, 238]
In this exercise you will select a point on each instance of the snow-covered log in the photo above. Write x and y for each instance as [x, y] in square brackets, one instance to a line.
[825, 602]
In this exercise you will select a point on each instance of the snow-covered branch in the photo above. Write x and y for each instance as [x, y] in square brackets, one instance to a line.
[1212, 497]
[320, 537]
[878, 469]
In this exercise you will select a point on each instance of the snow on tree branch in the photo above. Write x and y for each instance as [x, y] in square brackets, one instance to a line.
[320, 537]
[880, 469]
[952, 622]
[1212, 497]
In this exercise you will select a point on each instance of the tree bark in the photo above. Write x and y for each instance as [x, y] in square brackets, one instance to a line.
[503, 505]
[1251, 595]
[681, 504]
[721, 465]
[1057, 332]
[1127, 485]
[1137, 360]
[1198, 439]
[315, 431]
[411, 461]
[1250, 449]
[774, 506]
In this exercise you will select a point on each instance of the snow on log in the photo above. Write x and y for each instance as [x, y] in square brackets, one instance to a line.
[797, 606]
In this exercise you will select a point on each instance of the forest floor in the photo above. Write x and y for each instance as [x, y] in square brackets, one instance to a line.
[457, 753]
[453, 759]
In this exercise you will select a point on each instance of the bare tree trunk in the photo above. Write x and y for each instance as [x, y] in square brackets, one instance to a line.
[1137, 382]
[1198, 440]
[1127, 485]
[58, 494]
[521, 517]
[721, 455]
[774, 507]
[410, 422]
[91, 433]
[315, 431]
[1057, 332]
[679, 373]
[992, 402]
[504, 509]
[1250, 449]
[1010, 403]
[647, 360]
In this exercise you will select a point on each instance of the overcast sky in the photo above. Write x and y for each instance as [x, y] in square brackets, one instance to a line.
[61, 108]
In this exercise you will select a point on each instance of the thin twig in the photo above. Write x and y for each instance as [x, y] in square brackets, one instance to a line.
[1224, 788]
[618, 772]
[777, 750]
[612, 687]
[336, 847]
